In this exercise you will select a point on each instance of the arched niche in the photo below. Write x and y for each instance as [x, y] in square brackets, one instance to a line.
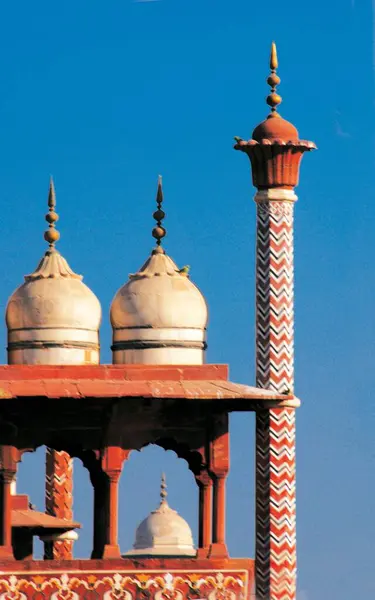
[31, 480]
[139, 491]
[84, 462]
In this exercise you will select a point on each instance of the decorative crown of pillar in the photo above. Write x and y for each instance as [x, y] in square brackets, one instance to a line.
[275, 150]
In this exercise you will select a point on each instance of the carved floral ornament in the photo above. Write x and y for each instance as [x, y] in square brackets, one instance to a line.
[125, 586]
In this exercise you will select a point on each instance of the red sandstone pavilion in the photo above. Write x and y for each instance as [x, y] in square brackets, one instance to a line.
[158, 390]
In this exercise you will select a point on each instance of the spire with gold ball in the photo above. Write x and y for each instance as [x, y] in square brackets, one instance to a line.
[159, 231]
[275, 150]
[51, 235]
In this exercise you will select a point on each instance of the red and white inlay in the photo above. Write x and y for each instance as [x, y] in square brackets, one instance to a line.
[59, 498]
[275, 429]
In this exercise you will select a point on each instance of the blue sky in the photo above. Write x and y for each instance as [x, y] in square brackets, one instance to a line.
[107, 95]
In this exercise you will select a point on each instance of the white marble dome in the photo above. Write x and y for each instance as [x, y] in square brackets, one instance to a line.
[53, 317]
[163, 533]
[159, 316]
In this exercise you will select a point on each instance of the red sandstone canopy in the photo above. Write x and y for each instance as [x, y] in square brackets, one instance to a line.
[39, 522]
[203, 382]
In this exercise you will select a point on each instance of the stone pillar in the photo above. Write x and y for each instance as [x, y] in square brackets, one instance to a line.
[219, 468]
[59, 500]
[275, 153]
[8, 471]
[204, 482]
[112, 548]
[106, 482]
[219, 503]
[6, 550]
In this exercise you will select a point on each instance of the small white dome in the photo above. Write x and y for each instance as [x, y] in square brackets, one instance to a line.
[159, 316]
[163, 533]
[53, 297]
[159, 296]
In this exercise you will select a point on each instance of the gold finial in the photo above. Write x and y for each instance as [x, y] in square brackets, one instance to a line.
[163, 489]
[51, 235]
[273, 80]
[158, 231]
[274, 63]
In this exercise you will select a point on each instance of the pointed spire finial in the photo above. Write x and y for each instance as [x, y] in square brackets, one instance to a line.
[158, 231]
[273, 80]
[274, 64]
[51, 235]
[163, 489]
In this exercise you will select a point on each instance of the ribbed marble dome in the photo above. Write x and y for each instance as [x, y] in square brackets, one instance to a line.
[159, 316]
[163, 533]
[53, 317]
[53, 296]
[159, 295]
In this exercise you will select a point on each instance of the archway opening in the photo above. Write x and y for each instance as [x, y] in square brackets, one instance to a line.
[31, 481]
[139, 492]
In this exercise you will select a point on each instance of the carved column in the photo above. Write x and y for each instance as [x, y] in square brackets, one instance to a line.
[219, 468]
[59, 499]
[106, 482]
[204, 481]
[6, 550]
[111, 548]
[8, 470]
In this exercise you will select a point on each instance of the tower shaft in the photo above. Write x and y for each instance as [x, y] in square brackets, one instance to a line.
[275, 428]
[275, 290]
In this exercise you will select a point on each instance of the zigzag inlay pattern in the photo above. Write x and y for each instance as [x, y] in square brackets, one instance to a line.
[59, 498]
[275, 429]
[274, 296]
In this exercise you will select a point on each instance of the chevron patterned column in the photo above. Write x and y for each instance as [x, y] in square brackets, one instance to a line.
[275, 153]
[275, 505]
[275, 429]
[59, 499]
[274, 290]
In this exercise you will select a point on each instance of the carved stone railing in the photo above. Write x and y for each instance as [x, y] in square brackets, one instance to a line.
[116, 583]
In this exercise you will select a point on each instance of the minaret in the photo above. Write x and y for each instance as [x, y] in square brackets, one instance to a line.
[275, 152]
[53, 318]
